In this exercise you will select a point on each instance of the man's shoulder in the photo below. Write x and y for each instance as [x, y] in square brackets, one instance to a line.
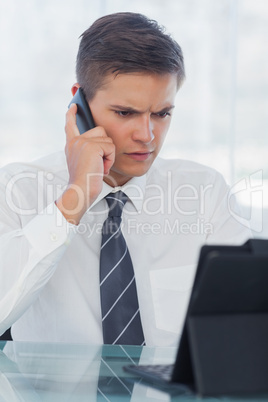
[54, 164]
[183, 170]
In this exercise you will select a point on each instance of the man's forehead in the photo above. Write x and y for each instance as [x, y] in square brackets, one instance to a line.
[127, 84]
[138, 92]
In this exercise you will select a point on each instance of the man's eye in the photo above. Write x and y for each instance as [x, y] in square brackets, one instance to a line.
[122, 113]
[163, 115]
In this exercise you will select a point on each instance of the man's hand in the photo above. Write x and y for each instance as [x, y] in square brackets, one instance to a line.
[89, 157]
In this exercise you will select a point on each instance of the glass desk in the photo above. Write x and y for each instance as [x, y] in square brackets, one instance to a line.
[76, 372]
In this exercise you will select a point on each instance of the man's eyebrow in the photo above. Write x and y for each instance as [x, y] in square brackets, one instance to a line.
[132, 110]
[166, 109]
[125, 108]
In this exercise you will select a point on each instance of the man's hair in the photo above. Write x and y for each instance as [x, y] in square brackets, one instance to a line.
[125, 43]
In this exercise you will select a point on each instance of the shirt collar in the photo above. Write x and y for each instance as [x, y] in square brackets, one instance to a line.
[134, 189]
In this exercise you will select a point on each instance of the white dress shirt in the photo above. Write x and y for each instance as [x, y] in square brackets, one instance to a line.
[49, 289]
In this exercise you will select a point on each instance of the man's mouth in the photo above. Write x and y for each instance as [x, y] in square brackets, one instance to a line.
[139, 156]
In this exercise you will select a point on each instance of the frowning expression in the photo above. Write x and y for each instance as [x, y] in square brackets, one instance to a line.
[135, 111]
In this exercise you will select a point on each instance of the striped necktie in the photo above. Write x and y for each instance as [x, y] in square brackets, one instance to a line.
[121, 323]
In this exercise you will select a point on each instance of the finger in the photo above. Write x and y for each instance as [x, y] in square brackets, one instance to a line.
[96, 132]
[99, 140]
[108, 157]
[71, 128]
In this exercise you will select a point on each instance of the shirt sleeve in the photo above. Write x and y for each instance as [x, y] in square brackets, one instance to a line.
[28, 258]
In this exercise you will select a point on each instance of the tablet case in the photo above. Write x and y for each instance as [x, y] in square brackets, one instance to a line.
[224, 344]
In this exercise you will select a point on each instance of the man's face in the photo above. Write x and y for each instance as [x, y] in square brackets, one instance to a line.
[135, 111]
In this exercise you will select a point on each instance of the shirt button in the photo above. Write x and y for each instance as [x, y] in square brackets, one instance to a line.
[53, 236]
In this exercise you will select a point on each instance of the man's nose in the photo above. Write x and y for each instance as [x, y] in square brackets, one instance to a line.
[143, 130]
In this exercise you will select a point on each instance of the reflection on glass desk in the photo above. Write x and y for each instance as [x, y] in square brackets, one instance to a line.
[76, 372]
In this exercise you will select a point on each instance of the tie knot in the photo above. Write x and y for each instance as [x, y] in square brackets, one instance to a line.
[116, 202]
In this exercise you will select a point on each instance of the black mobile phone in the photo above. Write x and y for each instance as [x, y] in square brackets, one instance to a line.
[84, 119]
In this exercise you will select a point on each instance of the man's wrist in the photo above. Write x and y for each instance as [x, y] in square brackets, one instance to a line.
[72, 205]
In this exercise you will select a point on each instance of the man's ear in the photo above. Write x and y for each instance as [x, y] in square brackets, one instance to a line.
[75, 88]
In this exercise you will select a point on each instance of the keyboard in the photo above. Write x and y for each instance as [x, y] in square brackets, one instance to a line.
[159, 375]
[156, 372]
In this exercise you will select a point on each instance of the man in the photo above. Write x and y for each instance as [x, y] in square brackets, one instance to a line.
[53, 211]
